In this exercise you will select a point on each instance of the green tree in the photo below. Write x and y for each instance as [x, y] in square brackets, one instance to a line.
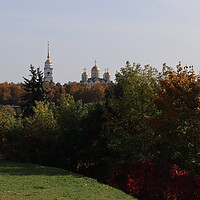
[71, 115]
[7, 119]
[9, 125]
[129, 108]
[43, 133]
[34, 90]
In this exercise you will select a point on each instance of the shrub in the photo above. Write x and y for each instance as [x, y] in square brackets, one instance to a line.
[164, 181]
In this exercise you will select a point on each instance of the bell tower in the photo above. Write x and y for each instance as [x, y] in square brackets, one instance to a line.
[48, 76]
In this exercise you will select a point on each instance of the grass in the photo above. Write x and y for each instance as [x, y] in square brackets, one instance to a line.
[19, 181]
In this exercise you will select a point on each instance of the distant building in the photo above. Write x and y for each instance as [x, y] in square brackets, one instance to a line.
[48, 69]
[95, 77]
[95, 73]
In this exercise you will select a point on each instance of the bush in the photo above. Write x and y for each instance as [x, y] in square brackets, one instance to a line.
[164, 181]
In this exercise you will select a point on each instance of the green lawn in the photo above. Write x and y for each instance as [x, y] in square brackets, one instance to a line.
[27, 181]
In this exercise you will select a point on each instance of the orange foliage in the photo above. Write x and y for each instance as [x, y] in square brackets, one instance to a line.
[10, 93]
[178, 126]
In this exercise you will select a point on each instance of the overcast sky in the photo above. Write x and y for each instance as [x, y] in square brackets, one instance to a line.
[110, 31]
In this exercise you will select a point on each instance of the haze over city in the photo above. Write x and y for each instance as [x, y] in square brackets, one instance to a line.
[109, 31]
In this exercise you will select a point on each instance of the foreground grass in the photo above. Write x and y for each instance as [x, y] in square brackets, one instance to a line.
[19, 181]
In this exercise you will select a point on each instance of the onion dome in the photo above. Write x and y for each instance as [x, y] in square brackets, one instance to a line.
[84, 76]
[48, 61]
[95, 68]
[85, 73]
[106, 74]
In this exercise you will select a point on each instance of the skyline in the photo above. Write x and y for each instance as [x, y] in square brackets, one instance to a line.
[109, 31]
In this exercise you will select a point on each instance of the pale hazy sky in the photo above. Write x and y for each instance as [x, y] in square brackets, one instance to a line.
[110, 31]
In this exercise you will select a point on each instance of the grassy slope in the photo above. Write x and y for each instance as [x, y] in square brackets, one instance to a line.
[20, 181]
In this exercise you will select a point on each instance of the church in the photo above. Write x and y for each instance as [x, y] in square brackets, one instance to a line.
[95, 77]
[95, 73]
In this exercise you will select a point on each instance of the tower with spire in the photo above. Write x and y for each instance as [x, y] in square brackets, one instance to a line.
[48, 75]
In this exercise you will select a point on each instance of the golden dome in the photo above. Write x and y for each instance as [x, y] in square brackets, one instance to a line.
[85, 73]
[48, 61]
[95, 68]
[106, 73]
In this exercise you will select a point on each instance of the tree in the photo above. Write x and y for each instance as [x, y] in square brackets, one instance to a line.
[34, 90]
[128, 110]
[42, 137]
[177, 127]
[8, 126]
[85, 93]
[10, 93]
[71, 114]
[7, 118]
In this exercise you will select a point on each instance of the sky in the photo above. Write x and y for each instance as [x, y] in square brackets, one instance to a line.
[109, 31]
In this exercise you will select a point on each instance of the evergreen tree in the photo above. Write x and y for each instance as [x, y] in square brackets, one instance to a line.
[34, 90]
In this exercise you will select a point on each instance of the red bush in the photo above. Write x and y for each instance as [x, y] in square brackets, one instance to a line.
[164, 181]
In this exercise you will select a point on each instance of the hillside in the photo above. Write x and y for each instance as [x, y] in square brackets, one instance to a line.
[27, 181]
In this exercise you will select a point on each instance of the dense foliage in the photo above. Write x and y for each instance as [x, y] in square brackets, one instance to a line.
[129, 108]
[11, 93]
[177, 126]
[145, 123]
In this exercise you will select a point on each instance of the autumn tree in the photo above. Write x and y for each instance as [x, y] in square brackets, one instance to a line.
[10, 93]
[85, 93]
[177, 127]
[5, 93]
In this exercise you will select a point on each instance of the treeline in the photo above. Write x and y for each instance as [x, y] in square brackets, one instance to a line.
[142, 137]
[11, 93]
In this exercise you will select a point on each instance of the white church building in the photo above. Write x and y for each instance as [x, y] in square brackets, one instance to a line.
[95, 77]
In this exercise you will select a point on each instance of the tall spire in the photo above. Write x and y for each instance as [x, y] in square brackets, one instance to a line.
[48, 70]
[48, 54]
[48, 57]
